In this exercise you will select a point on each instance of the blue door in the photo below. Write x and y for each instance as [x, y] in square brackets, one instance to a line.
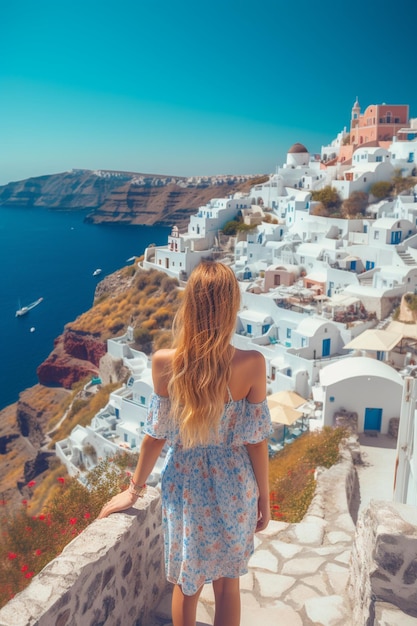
[353, 265]
[396, 236]
[326, 347]
[373, 419]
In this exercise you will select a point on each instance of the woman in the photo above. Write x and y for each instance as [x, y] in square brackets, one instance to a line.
[209, 404]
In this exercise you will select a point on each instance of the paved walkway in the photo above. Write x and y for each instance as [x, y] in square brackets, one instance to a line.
[298, 572]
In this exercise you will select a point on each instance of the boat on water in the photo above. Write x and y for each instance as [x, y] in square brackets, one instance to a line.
[25, 309]
[130, 259]
[97, 272]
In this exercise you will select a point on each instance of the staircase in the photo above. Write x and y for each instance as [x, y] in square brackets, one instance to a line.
[406, 258]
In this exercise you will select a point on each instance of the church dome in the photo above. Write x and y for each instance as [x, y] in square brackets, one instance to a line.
[297, 148]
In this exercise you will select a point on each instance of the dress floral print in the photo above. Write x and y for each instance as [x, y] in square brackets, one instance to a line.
[209, 494]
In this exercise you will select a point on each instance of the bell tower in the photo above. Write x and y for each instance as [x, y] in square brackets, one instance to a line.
[354, 123]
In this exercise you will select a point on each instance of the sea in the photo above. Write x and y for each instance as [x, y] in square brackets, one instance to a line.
[52, 254]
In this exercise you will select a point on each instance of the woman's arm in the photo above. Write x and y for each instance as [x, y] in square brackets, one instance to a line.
[258, 454]
[149, 452]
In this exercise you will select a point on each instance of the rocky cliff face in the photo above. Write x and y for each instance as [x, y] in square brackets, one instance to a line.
[75, 355]
[123, 197]
[159, 206]
[23, 427]
[78, 189]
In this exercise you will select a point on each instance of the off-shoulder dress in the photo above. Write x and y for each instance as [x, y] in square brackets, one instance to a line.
[209, 494]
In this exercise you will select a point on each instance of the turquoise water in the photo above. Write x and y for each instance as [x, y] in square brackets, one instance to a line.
[52, 254]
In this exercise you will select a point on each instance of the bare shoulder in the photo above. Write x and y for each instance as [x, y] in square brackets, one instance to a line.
[161, 370]
[248, 379]
[162, 357]
[248, 359]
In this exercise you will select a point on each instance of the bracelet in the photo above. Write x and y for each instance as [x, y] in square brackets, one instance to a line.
[136, 490]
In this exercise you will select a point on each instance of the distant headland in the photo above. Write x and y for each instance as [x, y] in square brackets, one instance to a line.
[124, 197]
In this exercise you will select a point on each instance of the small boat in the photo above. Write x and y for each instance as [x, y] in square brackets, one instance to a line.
[97, 272]
[130, 259]
[32, 329]
[25, 309]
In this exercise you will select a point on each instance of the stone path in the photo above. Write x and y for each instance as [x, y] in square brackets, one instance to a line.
[298, 572]
[293, 578]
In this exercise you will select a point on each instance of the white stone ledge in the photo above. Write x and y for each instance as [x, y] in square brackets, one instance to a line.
[113, 568]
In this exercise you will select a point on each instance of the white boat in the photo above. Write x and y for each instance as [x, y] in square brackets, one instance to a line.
[25, 309]
[130, 259]
[97, 272]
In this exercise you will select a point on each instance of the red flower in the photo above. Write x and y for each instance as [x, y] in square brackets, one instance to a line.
[61, 480]
[31, 483]
[2, 502]
[24, 568]
[41, 516]
[24, 502]
[87, 515]
[73, 520]
[28, 529]
[38, 552]
[12, 555]
[29, 574]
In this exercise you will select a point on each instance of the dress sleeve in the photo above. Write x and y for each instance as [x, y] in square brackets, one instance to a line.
[257, 422]
[158, 421]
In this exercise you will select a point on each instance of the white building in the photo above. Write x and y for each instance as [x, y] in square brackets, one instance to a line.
[361, 385]
[369, 166]
[185, 251]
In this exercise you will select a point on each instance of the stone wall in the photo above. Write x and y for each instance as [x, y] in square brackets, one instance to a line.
[383, 578]
[112, 573]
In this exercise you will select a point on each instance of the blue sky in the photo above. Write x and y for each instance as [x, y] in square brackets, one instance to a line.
[192, 87]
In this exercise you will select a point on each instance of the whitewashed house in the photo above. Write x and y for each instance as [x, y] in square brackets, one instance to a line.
[185, 251]
[369, 166]
[390, 231]
[361, 385]
[404, 153]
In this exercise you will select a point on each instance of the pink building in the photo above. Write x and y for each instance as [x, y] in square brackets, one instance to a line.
[379, 122]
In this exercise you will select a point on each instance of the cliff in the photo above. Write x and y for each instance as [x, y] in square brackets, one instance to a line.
[145, 299]
[23, 428]
[75, 356]
[123, 197]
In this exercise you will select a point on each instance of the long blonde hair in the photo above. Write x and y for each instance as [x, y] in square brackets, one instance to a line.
[203, 328]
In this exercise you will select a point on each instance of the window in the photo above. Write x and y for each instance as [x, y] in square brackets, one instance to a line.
[378, 159]
[331, 399]
[142, 400]
[288, 333]
[376, 234]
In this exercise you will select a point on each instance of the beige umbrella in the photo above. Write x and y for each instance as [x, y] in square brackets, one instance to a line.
[374, 339]
[288, 398]
[281, 414]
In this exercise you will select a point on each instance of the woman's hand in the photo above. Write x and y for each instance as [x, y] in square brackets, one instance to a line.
[120, 502]
[264, 514]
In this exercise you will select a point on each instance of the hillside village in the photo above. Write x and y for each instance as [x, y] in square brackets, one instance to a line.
[327, 300]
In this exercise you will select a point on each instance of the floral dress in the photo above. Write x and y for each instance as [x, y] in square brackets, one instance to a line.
[209, 494]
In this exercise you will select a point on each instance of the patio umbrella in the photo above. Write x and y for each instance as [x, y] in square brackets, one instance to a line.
[374, 339]
[281, 414]
[287, 398]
